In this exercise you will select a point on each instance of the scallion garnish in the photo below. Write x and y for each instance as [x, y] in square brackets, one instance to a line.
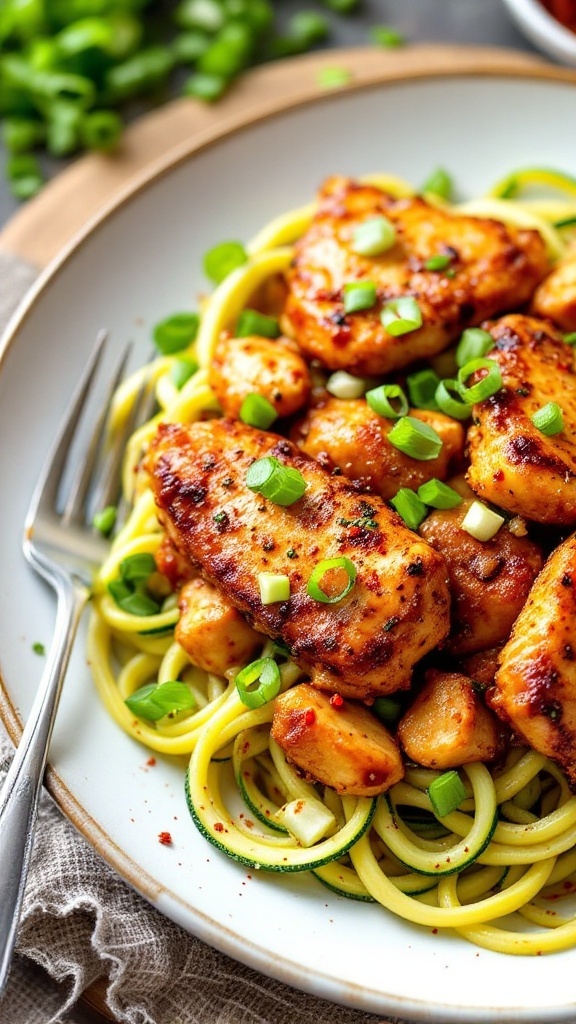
[422, 389]
[258, 683]
[438, 262]
[222, 259]
[156, 700]
[251, 322]
[388, 37]
[437, 494]
[449, 404]
[549, 419]
[181, 371]
[400, 316]
[257, 411]
[137, 567]
[133, 602]
[481, 522]
[474, 343]
[358, 295]
[129, 589]
[274, 587]
[446, 793]
[487, 386]
[176, 332]
[415, 438]
[331, 580]
[409, 506]
[387, 709]
[570, 338]
[342, 384]
[281, 484]
[373, 236]
[439, 184]
[105, 520]
[381, 400]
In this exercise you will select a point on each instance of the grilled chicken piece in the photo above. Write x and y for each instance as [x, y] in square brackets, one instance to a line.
[482, 666]
[349, 435]
[212, 631]
[339, 743]
[273, 369]
[535, 685]
[555, 297]
[496, 268]
[448, 724]
[489, 580]
[512, 463]
[362, 646]
[172, 565]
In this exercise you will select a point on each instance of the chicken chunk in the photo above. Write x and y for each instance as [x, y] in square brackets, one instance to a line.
[254, 365]
[339, 743]
[535, 685]
[512, 463]
[493, 268]
[212, 631]
[489, 580]
[448, 724]
[365, 644]
[349, 435]
[481, 666]
[555, 297]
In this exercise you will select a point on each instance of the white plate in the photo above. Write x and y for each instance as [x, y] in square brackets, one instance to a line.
[543, 30]
[137, 265]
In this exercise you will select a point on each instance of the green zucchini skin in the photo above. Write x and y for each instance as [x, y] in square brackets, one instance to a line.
[459, 865]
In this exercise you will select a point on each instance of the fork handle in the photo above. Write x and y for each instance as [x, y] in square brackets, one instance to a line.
[21, 790]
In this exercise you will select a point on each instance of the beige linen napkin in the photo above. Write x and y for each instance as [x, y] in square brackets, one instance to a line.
[81, 922]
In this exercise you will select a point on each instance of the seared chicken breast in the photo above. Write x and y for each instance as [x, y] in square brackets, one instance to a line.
[535, 685]
[512, 463]
[337, 742]
[211, 631]
[362, 646]
[348, 435]
[489, 580]
[555, 297]
[493, 268]
[262, 366]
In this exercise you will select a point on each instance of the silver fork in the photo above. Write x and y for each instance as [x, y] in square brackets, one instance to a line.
[61, 545]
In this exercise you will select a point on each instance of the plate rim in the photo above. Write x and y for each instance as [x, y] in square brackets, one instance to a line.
[469, 62]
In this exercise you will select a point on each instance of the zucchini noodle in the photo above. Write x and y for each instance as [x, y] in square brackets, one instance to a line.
[510, 847]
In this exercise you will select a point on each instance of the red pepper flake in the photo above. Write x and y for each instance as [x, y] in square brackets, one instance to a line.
[434, 931]
[218, 827]
[151, 761]
[498, 474]
[165, 838]
[310, 716]
[336, 700]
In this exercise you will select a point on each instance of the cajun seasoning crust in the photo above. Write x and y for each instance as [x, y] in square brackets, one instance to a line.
[272, 369]
[496, 268]
[363, 646]
[512, 463]
[535, 685]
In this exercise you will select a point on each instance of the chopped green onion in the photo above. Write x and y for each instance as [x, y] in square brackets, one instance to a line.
[549, 419]
[206, 87]
[251, 322]
[134, 602]
[21, 134]
[181, 371]
[229, 51]
[570, 338]
[342, 384]
[374, 236]
[105, 520]
[439, 184]
[380, 400]
[387, 709]
[473, 344]
[481, 522]
[400, 316]
[258, 683]
[222, 259]
[175, 332]
[207, 15]
[438, 262]
[388, 37]
[409, 506]
[307, 819]
[484, 388]
[415, 438]
[333, 77]
[187, 47]
[137, 567]
[281, 484]
[422, 387]
[257, 411]
[450, 405]
[446, 793]
[156, 700]
[359, 295]
[437, 494]
[342, 566]
[101, 130]
[38, 648]
[24, 175]
[308, 28]
[342, 6]
[274, 587]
